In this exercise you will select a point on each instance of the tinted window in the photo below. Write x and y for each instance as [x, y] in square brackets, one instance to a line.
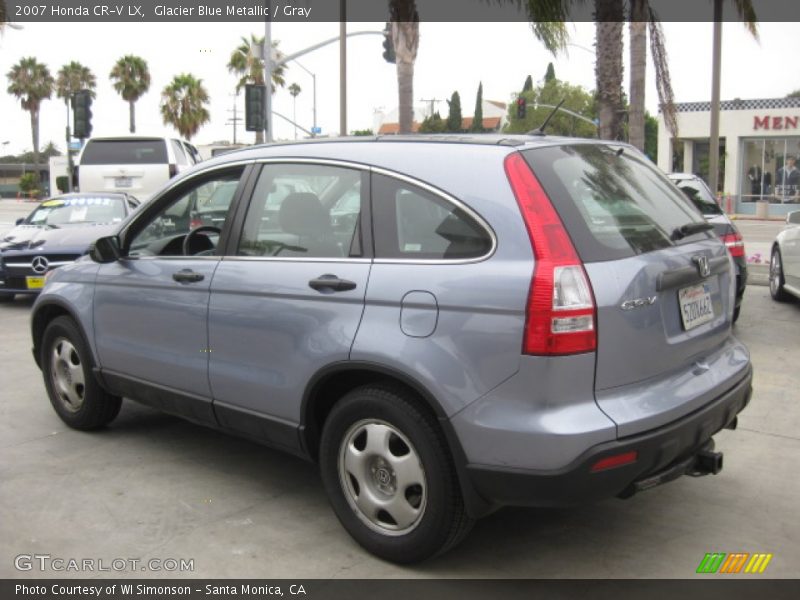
[124, 152]
[700, 196]
[412, 223]
[614, 203]
[309, 211]
[69, 211]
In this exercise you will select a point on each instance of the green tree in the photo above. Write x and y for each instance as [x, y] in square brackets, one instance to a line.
[550, 74]
[29, 183]
[454, 118]
[246, 64]
[433, 124]
[131, 77]
[404, 26]
[528, 85]
[362, 132]
[576, 99]
[477, 119]
[294, 90]
[31, 82]
[183, 105]
[651, 137]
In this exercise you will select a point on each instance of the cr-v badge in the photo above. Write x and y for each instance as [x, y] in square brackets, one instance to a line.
[638, 303]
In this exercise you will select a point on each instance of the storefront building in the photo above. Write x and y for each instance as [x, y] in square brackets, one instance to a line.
[759, 151]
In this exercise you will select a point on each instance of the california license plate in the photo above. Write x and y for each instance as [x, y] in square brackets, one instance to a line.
[122, 182]
[34, 283]
[695, 305]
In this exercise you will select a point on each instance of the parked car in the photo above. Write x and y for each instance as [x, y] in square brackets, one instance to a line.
[134, 164]
[57, 232]
[784, 264]
[699, 193]
[510, 320]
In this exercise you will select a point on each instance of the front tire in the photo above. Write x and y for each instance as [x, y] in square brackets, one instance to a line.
[389, 475]
[776, 279]
[67, 368]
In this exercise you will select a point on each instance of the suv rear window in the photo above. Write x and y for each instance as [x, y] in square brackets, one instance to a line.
[613, 201]
[700, 195]
[124, 152]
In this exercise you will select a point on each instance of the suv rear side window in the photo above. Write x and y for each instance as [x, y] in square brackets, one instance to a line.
[700, 196]
[613, 201]
[304, 211]
[124, 152]
[412, 223]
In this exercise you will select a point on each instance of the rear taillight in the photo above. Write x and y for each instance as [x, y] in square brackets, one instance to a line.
[173, 170]
[560, 315]
[617, 460]
[195, 222]
[735, 243]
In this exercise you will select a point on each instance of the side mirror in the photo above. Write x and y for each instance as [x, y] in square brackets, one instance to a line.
[20, 221]
[793, 218]
[105, 250]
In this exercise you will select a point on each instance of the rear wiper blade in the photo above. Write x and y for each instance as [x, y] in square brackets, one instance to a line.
[690, 229]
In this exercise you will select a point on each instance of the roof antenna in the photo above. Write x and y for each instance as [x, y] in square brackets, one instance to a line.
[540, 130]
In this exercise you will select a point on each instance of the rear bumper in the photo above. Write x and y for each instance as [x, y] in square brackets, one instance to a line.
[663, 454]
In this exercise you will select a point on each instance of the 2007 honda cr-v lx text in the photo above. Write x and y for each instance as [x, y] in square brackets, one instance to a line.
[498, 320]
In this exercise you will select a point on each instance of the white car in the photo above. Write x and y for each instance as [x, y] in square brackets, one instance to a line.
[136, 165]
[784, 266]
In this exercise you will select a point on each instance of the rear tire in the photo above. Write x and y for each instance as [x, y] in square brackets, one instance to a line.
[390, 477]
[776, 279]
[736, 312]
[67, 367]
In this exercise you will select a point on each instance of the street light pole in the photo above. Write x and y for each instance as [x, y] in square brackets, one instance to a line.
[268, 72]
[314, 84]
[343, 68]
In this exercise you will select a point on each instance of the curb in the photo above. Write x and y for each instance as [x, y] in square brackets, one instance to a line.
[757, 274]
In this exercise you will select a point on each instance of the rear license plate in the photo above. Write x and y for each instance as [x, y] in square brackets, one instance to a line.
[695, 305]
[34, 283]
[122, 182]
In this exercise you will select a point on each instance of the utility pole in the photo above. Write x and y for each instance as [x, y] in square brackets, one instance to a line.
[433, 102]
[235, 119]
[713, 146]
[343, 67]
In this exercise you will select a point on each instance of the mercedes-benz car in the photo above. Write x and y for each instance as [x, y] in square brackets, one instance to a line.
[784, 264]
[57, 232]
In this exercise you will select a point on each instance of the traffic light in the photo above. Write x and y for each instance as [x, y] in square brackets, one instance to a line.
[388, 45]
[82, 114]
[521, 107]
[255, 107]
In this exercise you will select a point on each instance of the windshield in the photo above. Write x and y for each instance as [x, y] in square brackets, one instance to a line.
[68, 211]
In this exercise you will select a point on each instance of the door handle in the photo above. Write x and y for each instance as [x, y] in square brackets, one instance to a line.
[331, 283]
[187, 276]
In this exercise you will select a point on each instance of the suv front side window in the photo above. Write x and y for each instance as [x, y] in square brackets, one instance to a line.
[163, 233]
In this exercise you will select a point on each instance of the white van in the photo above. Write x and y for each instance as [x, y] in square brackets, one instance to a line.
[134, 164]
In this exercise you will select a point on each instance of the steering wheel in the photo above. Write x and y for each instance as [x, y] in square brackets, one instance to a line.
[191, 240]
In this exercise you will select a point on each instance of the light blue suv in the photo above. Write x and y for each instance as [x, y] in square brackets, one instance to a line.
[486, 321]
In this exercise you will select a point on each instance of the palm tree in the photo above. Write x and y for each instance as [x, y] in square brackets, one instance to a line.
[405, 36]
[294, 90]
[642, 13]
[183, 105]
[31, 82]
[131, 78]
[249, 67]
[609, 15]
[71, 78]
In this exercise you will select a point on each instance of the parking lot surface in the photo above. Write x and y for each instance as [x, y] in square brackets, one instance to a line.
[152, 486]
